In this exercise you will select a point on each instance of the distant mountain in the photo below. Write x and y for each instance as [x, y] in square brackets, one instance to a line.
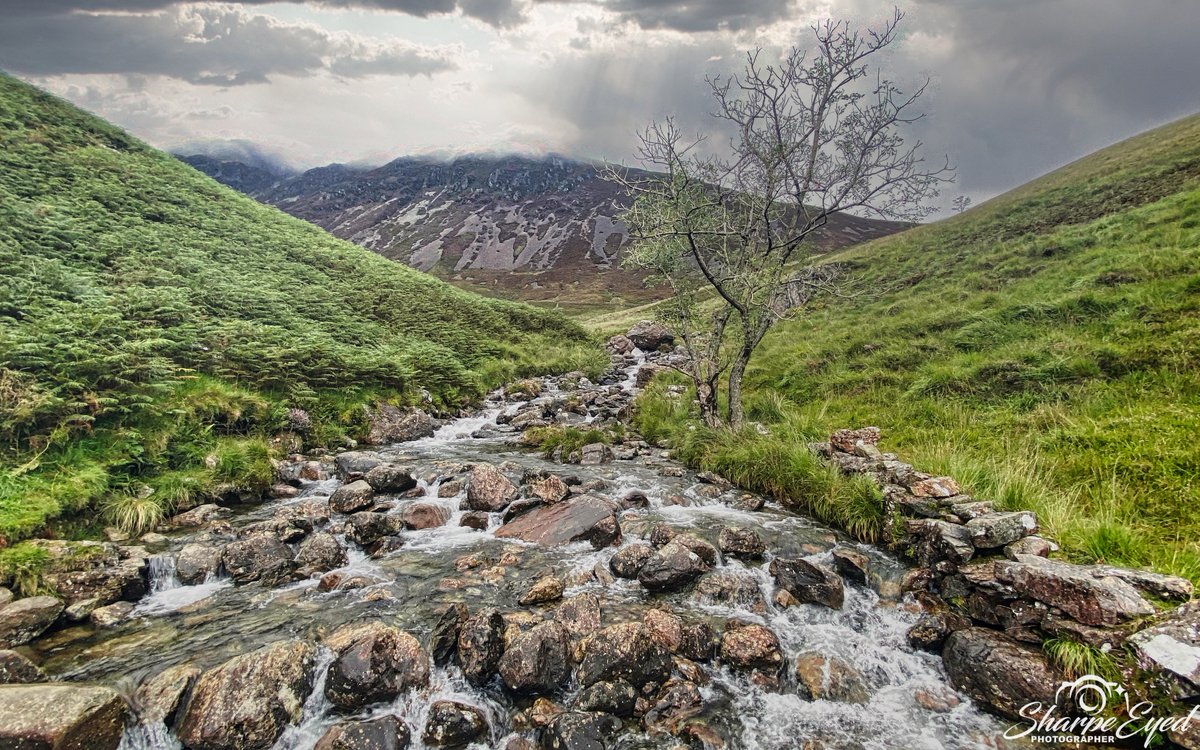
[533, 228]
[246, 178]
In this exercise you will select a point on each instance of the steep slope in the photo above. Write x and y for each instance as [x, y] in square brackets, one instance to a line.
[1044, 345]
[537, 229]
[156, 327]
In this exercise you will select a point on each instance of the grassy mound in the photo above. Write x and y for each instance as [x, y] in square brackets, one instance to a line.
[156, 327]
[1044, 348]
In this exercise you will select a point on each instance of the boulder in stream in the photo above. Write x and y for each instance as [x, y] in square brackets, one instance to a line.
[25, 619]
[82, 717]
[821, 677]
[351, 497]
[391, 424]
[629, 652]
[391, 478]
[746, 544]
[382, 733]
[585, 518]
[749, 646]
[421, 515]
[196, 562]
[320, 553]
[378, 664]
[671, 568]
[544, 590]
[480, 646]
[808, 582]
[158, 699]
[537, 661]
[443, 639]
[247, 702]
[263, 558]
[628, 560]
[454, 724]
[580, 730]
[649, 335]
[15, 669]
[488, 489]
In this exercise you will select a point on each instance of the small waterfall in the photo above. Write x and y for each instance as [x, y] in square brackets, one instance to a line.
[162, 573]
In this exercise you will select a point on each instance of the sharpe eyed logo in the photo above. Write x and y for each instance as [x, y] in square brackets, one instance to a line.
[1104, 713]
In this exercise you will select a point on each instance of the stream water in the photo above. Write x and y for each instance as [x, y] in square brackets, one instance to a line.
[213, 621]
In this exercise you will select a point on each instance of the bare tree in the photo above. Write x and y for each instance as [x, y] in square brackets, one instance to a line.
[961, 203]
[815, 135]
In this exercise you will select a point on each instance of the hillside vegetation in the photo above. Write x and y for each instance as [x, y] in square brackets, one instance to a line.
[156, 327]
[1043, 347]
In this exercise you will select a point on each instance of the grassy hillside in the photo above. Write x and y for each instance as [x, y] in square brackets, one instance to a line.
[156, 327]
[1044, 347]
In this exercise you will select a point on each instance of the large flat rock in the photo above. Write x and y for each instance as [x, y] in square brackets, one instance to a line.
[61, 717]
[582, 519]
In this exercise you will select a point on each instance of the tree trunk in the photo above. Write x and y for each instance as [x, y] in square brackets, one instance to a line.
[737, 372]
[706, 394]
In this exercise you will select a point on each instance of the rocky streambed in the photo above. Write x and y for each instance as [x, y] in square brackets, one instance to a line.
[458, 590]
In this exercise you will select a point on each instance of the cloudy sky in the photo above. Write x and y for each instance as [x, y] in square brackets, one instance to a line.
[1018, 86]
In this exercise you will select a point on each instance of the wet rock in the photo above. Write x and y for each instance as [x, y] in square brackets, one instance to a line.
[159, 698]
[931, 631]
[489, 489]
[577, 519]
[938, 701]
[247, 702]
[629, 560]
[998, 529]
[443, 639]
[635, 499]
[537, 660]
[851, 564]
[454, 724]
[1148, 582]
[392, 478]
[821, 677]
[671, 568]
[1089, 595]
[351, 497]
[549, 489]
[998, 672]
[84, 717]
[480, 646]
[661, 534]
[15, 669]
[450, 488]
[196, 562]
[807, 582]
[650, 336]
[730, 588]
[283, 529]
[627, 651]
[383, 733]
[379, 664]
[580, 616]
[749, 646]
[200, 515]
[25, 619]
[699, 642]
[365, 528]
[541, 713]
[6, 596]
[846, 440]
[746, 544]
[666, 627]
[594, 454]
[545, 589]
[425, 515]
[320, 553]
[385, 546]
[617, 698]
[703, 549]
[578, 730]
[475, 519]
[389, 424]
[353, 465]
[111, 614]
[264, 559]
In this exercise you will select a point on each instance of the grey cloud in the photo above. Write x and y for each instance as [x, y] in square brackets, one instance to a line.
[701, 15]
[205, 44]
[495, 12]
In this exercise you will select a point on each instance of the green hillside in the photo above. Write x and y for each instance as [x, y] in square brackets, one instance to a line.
[1044, 347]
[155, 326]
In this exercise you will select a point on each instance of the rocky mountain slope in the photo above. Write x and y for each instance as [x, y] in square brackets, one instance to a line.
[533, 228]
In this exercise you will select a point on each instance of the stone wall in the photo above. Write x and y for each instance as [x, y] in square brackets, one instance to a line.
[992, 593]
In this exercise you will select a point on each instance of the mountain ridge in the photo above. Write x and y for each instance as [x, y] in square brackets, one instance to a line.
[536, 228]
